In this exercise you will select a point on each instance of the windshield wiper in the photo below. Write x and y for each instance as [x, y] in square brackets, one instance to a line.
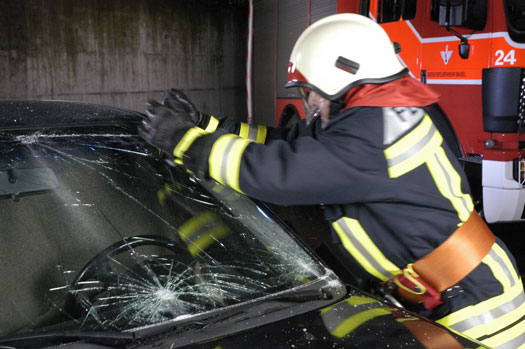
[302, 296]
[79, 334]
[205, 320]
[235, 317]
[244, 310]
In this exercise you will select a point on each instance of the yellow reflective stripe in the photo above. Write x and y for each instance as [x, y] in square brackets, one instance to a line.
[503, 257]
[233, 165]
[245, 130]
[225, 160]
[187, 140]
[499, 269]
[448, 182]
[199, 232]
[401, 165]
[407, 142]
[350, 324]
[193, 224]
[360, 300]
[254, 133]
[354, 300]
[488, 316]
[213, 123]
[207, 239]
[216, 155]
[512, 338]
[423, 146]
[357, 242]
[342, 318]
[468, 313]
[261, 134]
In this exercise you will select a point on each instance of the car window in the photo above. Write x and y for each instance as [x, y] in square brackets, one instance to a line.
[461, 13]
[395, 10]
[515, 16]
[100, 233]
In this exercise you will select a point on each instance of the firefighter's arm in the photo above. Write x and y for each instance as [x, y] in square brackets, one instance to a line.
[257, 133]
[178, 101]
[304, 172]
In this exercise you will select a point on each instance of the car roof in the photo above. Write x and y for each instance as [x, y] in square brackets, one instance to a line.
[23, 114]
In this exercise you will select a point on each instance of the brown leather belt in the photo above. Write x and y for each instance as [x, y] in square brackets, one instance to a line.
[457, 256]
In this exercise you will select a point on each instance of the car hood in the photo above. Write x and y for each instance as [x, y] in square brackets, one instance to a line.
[359, 320]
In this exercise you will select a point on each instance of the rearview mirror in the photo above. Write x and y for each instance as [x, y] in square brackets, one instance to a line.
[17, 182]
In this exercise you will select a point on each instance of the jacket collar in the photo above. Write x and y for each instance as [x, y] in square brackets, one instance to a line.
[402, 92]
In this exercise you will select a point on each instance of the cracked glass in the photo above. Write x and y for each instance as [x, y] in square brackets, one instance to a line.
[99, 233]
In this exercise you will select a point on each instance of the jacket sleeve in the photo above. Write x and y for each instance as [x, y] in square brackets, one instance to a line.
[303, 171]
[257, 133]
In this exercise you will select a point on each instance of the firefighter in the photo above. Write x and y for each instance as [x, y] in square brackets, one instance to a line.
[397, 199]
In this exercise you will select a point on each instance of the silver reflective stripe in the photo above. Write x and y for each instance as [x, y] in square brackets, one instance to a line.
[515, 343]
[339, 313]
[503, 266]
[397, 121]
[413, 149]
[252, 133]
[489, 316]
[363, 250]
[449, 184]
[224, 163]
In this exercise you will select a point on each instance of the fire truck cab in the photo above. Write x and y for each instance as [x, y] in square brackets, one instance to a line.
[472, 52]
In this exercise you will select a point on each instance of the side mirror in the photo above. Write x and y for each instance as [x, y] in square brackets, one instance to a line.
[464, 49]
[470, 14]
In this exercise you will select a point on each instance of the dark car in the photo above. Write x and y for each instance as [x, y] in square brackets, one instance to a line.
[105, 244]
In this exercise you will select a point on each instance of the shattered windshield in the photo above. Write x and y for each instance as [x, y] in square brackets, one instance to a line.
[100, 233]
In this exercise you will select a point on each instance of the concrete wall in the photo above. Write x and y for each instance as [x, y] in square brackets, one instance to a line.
[122, 52]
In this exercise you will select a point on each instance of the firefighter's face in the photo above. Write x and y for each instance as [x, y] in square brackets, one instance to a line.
[316, 102]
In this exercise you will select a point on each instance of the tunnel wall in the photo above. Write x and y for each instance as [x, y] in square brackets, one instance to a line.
[122, 52]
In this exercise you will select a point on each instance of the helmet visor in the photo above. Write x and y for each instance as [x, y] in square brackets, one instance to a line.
[304, 92]
[311, 113]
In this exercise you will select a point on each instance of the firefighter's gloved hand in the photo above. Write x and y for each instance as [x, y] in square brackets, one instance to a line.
[165, 126]
[177, 100]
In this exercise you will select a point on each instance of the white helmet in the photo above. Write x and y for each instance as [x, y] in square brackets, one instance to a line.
[342, 51]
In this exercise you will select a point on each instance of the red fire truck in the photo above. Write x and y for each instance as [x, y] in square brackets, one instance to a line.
[472, 52]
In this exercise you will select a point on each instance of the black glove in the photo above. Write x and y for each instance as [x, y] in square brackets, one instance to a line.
[177, 100]
[165, 126]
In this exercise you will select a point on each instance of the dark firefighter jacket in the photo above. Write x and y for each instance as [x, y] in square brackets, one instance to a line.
[392, 191]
